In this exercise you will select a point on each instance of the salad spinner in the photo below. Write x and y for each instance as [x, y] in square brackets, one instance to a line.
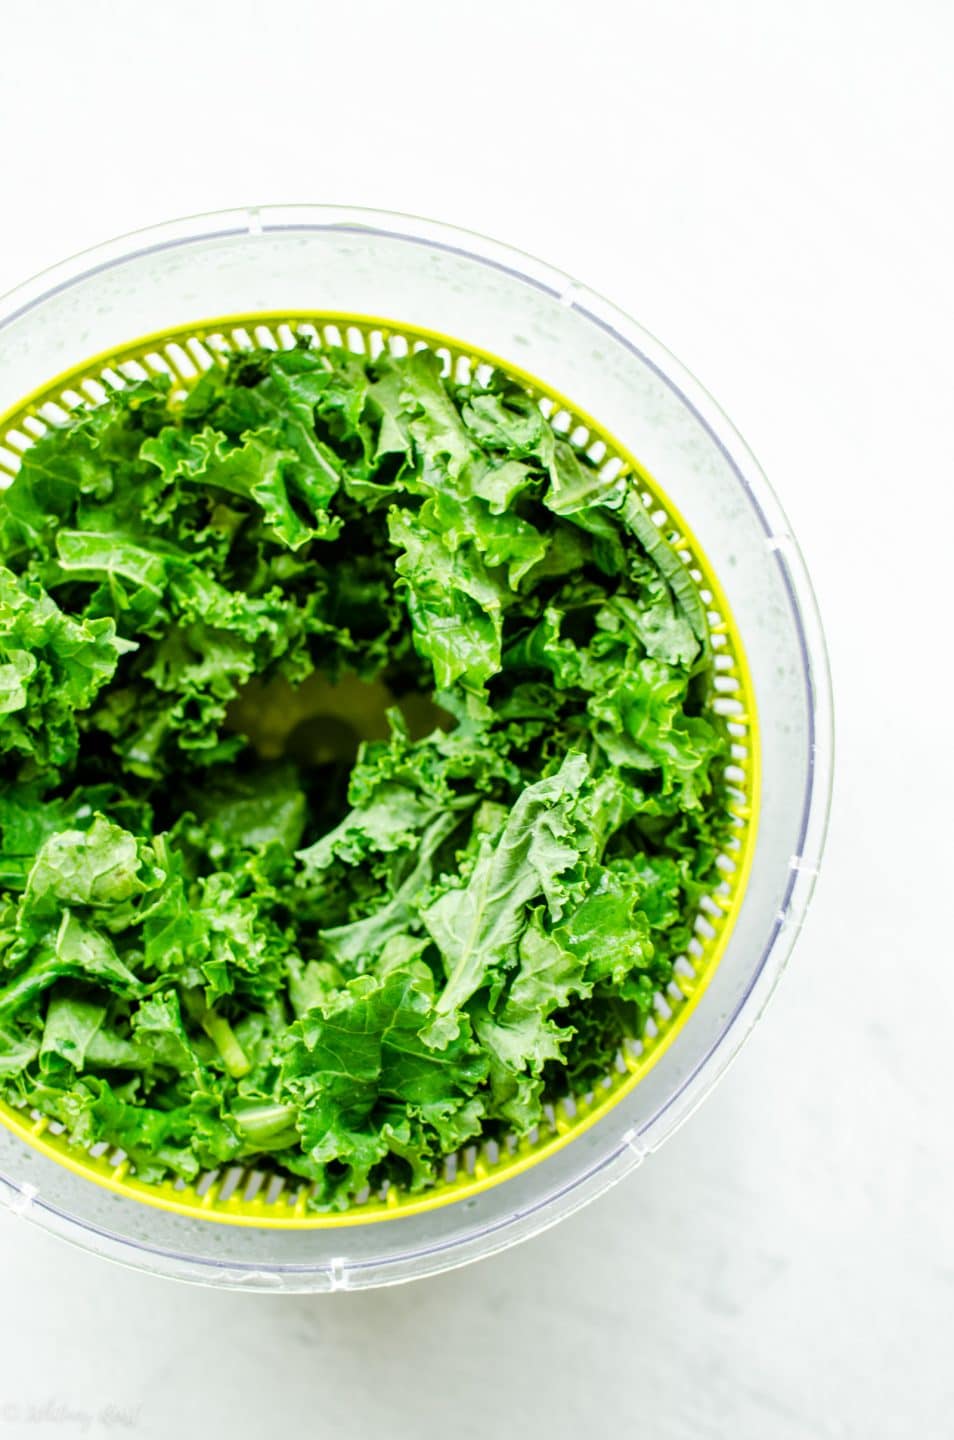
[182, 297]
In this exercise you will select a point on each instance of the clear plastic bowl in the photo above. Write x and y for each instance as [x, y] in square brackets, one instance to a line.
[432, 277]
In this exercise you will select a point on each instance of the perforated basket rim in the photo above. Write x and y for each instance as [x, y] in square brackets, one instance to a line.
[182, 352]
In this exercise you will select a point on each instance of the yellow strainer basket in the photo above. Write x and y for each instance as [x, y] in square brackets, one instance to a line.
[406, 289]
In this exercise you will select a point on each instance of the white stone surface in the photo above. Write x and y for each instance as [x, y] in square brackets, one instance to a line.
[767, 187]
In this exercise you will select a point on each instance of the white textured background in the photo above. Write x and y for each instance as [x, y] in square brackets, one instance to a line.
[767, 186]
